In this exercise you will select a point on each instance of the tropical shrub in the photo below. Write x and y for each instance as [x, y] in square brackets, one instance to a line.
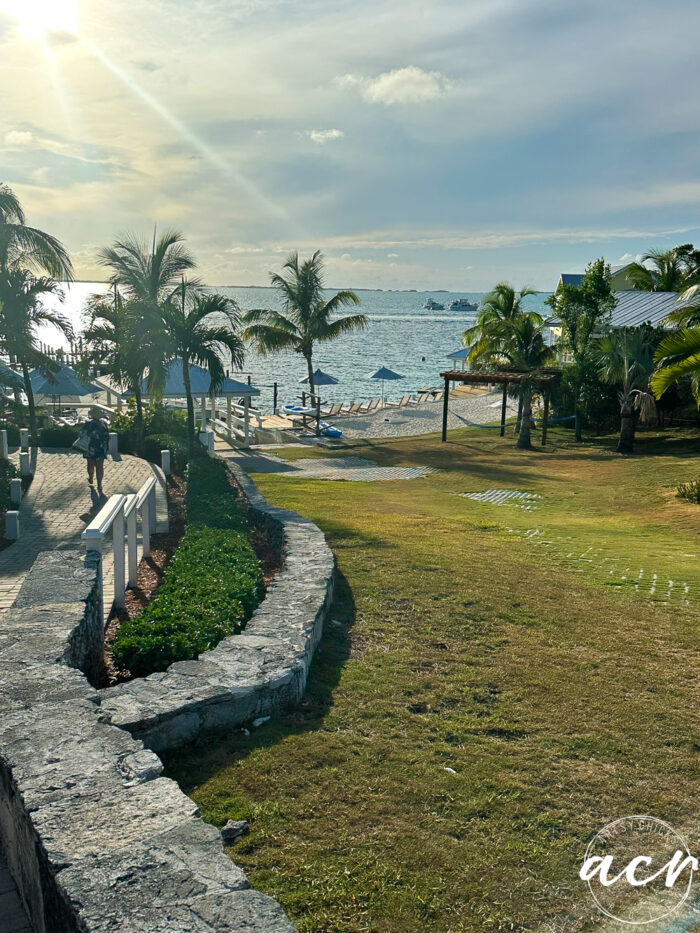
[12, 432]
[8, 471]
[157, 419]
[179, 454]
[211, 587]
[57, 437]
[689, 491]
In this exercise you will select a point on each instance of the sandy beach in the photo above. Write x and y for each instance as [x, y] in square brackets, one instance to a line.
[423, 419]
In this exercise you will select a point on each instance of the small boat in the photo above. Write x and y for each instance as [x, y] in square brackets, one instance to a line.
[432, 305]
[463, 304]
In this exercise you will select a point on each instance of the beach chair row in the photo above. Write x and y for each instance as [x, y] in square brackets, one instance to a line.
[363, 408]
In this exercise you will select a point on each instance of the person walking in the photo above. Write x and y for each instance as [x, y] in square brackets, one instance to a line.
[96, 434]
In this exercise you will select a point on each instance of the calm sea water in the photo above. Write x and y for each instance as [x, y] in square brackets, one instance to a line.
[401, 335]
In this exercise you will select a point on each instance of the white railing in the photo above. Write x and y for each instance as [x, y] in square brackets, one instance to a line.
[119, 514]
[236, 421]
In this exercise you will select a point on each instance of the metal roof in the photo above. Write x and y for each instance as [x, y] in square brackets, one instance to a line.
[635, 307]
[570, 278]
[200, 381]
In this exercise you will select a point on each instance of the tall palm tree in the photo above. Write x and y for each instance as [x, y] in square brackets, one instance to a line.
[626, 359]
[23, 312]
[33, 249]
[308, 316]
[678, 356]
[149, 277]
[501, 306]
[667, 271]
[499, 310]
[202, 329]
[118, 342]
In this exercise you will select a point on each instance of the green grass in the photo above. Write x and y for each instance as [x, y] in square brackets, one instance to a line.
[561, 694]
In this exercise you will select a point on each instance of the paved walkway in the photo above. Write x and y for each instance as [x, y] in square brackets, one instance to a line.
[13, 919]
[354, 469]
[58, 506]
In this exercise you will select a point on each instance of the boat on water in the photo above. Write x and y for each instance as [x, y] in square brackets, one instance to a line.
[463, 304]
[432, 305]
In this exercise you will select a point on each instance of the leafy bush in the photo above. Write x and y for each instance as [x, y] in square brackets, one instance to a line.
[8, 471]
[211, 587]
[12, 432]
[157, 419]
[57, 437]
[179, 455]
[689, 491]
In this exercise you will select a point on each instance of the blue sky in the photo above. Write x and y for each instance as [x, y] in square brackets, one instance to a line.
[419, 144]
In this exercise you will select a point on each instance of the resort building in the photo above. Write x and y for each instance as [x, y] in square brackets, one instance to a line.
[618, 275]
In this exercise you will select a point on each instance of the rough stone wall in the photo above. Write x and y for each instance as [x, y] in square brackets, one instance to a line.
[253, 674]
[96, 839]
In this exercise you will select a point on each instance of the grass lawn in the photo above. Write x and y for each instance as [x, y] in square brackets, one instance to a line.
[547, 657]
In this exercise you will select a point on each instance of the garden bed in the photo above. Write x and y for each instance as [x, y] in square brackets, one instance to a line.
[205, 589]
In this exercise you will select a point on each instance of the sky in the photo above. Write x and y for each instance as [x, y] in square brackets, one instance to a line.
[434, 144]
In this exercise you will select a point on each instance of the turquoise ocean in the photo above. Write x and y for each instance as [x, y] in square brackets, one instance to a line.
[401, 334]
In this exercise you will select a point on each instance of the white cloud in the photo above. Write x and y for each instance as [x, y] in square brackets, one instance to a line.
[409, 85]
[324, 136]
[18, 138]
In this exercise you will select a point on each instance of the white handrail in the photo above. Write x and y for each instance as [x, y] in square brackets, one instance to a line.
[120, 513]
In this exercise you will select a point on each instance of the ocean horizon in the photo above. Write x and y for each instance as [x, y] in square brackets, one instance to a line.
[401, 334]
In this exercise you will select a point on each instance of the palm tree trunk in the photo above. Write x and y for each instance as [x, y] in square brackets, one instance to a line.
[310, 366]
[524, 441]
[33, 434]
[190, 403]
[518, 420]
[626, 443]
[578, 436]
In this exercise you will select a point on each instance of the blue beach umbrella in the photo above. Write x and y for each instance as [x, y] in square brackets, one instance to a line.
[320, 379]
[385, 373]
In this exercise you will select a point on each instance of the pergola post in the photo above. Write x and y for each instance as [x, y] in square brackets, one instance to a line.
[228, 415]
[445, 401]
[545, 417]
[504, 402]
[204, 413]
[213, 408]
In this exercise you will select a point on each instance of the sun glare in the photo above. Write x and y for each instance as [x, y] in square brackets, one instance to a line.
[36, 18]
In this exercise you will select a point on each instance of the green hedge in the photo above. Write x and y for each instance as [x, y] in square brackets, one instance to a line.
[8, 471]
[211, 587]
[57, 437]
[12, 432]
[179, 455]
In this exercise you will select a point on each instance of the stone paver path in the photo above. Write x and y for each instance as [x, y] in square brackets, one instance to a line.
[58, 506]
[356, 469]
[13, 919]
[524, 500]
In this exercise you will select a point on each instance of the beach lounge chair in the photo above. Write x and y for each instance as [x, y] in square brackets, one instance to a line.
[423, 397]
[355, 408]
[374, 403]
[402, 404]
[438, 396]
[333, 410]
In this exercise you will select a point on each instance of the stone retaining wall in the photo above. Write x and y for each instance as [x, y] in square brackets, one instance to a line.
[96, 839]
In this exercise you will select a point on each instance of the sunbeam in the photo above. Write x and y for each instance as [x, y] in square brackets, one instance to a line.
[202, 148]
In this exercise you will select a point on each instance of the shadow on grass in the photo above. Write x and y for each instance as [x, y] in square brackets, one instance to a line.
[195, 764]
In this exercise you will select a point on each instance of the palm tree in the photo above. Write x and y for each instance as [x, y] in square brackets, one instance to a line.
[149, 274]
[118, 343]
[149, 277]
[308, 315]
[201, 331]
[501, 306]
[33, 249]
[668, 272]
[499, 311]
[678, 356]
[22, 313]
[626, 359]
[517, 344]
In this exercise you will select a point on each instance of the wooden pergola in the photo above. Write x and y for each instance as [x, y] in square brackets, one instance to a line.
[542, 380]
